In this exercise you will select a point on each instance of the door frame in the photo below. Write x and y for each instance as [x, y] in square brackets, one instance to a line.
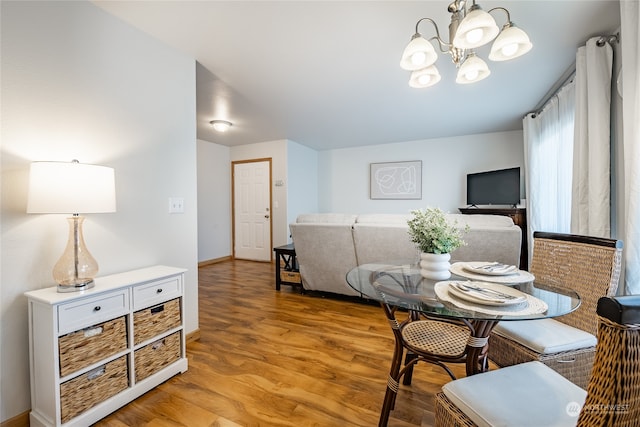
[233, 203]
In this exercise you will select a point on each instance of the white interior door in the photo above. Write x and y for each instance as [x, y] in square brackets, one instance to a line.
[252, 210]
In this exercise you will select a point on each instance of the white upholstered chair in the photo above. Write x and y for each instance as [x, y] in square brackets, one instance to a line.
[533, 395]
[588, 265]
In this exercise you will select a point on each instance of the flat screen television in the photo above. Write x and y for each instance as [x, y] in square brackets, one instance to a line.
[498, 187]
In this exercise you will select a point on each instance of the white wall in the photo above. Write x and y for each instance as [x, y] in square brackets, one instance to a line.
[344, 173]
[214, 201]
[77, 83]
[302, 188]
[277, 151]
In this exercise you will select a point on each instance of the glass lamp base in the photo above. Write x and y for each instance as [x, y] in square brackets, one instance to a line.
[81, 285]
[76, 268]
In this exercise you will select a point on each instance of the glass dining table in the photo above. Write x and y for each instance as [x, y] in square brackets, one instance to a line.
[400, 286]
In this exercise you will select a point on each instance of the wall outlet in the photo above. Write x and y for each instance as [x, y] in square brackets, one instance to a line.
[176, 205]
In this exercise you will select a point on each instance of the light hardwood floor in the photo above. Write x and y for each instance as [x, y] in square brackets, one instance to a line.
[269, 358]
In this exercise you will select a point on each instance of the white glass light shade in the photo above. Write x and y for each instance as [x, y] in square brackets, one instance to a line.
[70, 188]
[220, 125]
[425, 77]
[418, 54]
[476, 29]
[472, 70]
[512, 42]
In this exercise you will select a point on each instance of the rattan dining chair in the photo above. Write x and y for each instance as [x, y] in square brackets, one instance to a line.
[435, 341]
[532, 394]
[588, 265]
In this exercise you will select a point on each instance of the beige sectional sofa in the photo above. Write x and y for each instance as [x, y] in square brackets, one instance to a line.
[328, 245]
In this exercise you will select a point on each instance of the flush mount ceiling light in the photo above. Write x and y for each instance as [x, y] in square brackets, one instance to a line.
[469, 28]
[220, 125]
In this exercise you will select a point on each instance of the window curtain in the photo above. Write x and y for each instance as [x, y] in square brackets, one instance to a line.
[591, 201]
[548, 151]
[630, 40]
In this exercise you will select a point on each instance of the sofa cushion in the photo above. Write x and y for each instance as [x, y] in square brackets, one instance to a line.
[329, 218]
[546, 336]
[384, 219]
[480, 221]
[528, 394]
[383, 243]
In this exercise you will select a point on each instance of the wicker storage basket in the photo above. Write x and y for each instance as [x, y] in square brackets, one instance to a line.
[87, 390]
[155, 320]
[155, 356]
[290, 276]
[82, 348]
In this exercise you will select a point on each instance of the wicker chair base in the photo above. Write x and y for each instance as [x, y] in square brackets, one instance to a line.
[573, 365]
[448, 414]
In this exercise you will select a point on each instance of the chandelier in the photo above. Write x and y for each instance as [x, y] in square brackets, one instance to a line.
[469, 28]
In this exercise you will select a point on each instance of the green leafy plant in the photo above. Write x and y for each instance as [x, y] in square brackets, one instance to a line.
[431, 232]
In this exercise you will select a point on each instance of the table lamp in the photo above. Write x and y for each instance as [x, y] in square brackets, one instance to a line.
[72, 188]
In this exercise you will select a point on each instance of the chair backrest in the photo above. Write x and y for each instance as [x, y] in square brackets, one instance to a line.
[613, 392]
[587, 265]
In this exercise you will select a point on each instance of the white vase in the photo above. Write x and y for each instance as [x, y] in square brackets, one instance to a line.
[435, 266]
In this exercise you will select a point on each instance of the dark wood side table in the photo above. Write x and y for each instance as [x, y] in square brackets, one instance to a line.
[287, 271]
[519, 217]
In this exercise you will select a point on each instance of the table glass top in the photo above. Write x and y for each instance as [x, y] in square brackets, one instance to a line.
[402, 285]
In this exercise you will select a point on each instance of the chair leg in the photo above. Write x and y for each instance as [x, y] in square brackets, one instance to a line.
[393, 382]
[389, 401]
[409, 371]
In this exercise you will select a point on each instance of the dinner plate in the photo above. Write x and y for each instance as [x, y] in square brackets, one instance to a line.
[485, 293]
[520, 276]
[490, 268]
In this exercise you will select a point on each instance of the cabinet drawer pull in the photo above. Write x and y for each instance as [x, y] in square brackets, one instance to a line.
[92, 332]
[97, 308]
[159, 290]
[92, 375]
[158, 344]
[157, 309]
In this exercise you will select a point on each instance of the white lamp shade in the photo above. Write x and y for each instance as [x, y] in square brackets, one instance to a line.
[476, 29]
[71, 188]
[418, 54]
[425, 77]
[511, 43]
[472, 70]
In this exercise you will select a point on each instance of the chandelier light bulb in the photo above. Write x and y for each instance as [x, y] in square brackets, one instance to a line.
[418, 54]
[474, 36]
[509, 50]
[480, 24]
[511, 43]
[425, 77]
[418, 58]
[471, 75]
[472, 70]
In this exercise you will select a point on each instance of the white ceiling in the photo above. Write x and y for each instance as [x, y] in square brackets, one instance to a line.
[326, 73]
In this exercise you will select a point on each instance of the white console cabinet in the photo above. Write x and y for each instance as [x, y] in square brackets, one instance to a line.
[92, 352]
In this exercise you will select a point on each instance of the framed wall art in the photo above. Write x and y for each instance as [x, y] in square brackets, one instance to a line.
[396, 180]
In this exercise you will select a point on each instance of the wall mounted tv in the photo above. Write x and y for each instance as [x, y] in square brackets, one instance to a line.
[498, 187]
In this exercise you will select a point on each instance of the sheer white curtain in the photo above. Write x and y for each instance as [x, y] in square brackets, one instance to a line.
[630, 40]
[548, 151]
[591, 202]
